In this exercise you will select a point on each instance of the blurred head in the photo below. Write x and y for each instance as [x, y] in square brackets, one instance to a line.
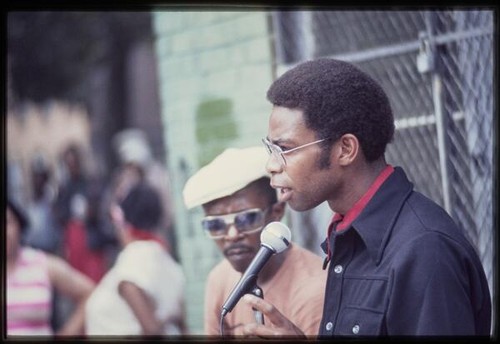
[141, 207]
[16, 227]
[40, 175]
[72, 157]
[238, 201]
[127, 176]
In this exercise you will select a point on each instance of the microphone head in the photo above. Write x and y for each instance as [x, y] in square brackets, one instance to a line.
[276, 236]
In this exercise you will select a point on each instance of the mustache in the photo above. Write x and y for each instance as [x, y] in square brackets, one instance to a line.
[237, 246]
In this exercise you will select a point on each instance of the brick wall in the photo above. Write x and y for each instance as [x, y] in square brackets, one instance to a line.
[214, 70]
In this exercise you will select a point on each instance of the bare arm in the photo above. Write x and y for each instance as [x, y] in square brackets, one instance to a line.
[76, 286]
[211, 310]
[142, 306]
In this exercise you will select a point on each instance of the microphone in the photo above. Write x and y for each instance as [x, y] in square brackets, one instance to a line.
[275, 238]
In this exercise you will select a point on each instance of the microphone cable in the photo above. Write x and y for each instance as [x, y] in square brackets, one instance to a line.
[221, 326]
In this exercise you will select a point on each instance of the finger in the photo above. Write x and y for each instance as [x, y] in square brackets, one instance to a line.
[262, 331]
[271, 313]
[281, 325]
[258, 303]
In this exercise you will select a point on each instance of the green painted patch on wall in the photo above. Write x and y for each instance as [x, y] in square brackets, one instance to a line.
[215, 128]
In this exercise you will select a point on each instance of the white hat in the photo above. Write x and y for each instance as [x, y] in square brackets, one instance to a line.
[132, 147]
[229, 172]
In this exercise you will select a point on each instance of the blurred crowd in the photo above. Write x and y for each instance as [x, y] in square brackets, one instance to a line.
[78, 232]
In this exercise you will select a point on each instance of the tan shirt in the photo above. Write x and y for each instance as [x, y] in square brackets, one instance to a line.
[297, 291]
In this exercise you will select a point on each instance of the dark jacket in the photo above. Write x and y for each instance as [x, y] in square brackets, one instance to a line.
[403, 267]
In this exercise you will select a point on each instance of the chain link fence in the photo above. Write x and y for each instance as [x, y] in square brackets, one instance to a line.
[437, 68]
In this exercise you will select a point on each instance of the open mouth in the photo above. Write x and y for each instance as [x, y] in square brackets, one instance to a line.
[284, 194]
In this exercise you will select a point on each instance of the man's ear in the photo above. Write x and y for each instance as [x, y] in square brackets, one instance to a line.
[349, 149]
[278, 211]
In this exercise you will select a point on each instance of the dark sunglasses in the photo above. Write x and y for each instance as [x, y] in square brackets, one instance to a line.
[246, 221]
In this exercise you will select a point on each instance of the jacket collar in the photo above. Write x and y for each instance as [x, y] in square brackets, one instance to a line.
[375, 222]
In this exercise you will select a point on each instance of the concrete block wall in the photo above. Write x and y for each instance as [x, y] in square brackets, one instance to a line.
[214, 70]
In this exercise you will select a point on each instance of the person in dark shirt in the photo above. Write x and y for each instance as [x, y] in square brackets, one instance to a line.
[397, 263]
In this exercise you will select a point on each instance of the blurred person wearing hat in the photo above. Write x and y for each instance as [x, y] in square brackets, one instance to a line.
[136, 164]
[238, 203]
[143, 292]
[32, 276]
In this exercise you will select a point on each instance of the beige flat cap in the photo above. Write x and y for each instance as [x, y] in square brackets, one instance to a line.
[229, 172]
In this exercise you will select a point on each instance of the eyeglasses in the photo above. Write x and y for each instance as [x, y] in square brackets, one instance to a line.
[279, 153]
[246, 221]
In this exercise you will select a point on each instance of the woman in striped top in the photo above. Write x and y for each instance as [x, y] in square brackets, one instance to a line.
[31, 276]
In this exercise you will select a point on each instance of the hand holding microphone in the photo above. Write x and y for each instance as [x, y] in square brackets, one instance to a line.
[275, 238]
[277, 324]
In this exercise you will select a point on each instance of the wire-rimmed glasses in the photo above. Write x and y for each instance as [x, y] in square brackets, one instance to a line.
[279, 153]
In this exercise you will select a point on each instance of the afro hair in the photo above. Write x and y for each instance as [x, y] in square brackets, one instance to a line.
[337, 98]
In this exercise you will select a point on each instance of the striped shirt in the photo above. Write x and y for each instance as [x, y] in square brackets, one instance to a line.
[29, 295]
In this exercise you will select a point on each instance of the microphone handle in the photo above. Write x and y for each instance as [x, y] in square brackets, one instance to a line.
[259, 317]
[249, 279]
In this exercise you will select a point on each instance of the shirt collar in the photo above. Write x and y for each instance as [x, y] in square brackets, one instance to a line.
[138, 234]
[358, 207]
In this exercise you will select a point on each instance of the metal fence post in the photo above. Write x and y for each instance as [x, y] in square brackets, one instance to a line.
[427, 62]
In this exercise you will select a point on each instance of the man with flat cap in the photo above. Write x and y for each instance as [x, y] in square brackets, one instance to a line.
[238, 201]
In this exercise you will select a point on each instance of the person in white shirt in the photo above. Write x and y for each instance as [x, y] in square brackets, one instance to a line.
[143, 293]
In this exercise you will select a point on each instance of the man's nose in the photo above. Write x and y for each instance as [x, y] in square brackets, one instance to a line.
[273, 164]
[232, 233]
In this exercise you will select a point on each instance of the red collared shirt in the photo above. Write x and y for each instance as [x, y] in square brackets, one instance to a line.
[341, 222]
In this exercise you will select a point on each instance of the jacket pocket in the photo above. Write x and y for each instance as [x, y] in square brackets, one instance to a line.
[359, 322]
